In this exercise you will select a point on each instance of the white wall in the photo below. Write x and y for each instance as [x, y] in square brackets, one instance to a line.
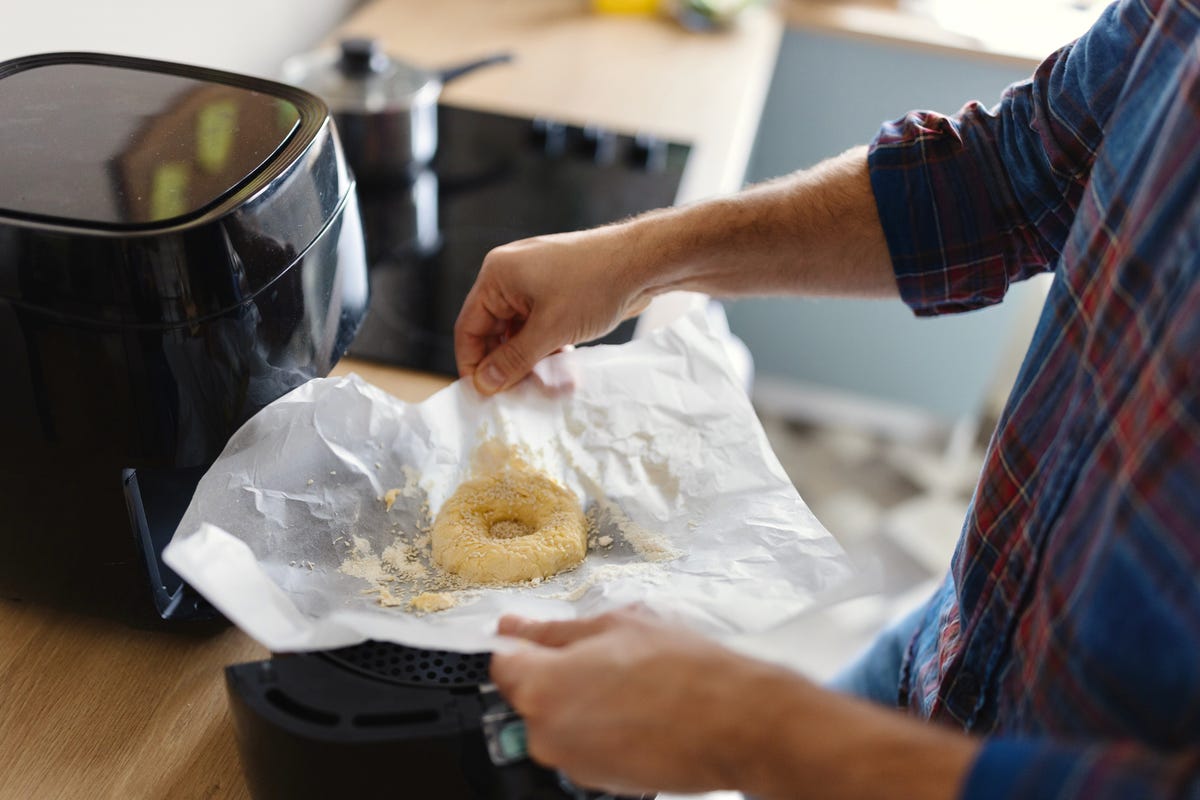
[251, 36]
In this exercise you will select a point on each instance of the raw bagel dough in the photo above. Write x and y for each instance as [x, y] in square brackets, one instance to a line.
[513, 526]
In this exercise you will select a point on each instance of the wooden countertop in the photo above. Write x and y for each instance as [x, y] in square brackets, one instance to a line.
[630, 73]
[95, 709]
[975, 29]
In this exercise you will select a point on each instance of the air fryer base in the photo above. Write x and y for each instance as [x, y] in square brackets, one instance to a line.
[375, 720]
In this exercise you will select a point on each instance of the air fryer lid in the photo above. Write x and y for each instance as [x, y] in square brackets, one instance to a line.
[155, 193]
[111, 146]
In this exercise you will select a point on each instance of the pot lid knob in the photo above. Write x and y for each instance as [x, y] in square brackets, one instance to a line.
[362, 56]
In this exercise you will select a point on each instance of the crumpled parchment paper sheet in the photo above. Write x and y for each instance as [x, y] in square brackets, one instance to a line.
[656, 437]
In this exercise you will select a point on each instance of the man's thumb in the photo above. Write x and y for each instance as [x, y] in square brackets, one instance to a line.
[510, 362]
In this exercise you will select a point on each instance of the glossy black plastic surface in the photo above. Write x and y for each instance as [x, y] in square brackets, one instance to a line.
[131, 354]
[183, 268]
[113, 146]
[85, 403]
[312, 726]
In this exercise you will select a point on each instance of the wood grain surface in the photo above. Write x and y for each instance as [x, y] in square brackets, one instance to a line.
[94, 709]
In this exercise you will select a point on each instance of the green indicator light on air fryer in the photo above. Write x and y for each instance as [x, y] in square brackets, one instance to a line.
[512, 740]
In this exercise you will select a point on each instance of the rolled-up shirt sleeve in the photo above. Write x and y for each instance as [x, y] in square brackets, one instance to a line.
[971, 202]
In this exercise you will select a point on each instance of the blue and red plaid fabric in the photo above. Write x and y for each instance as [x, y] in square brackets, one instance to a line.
[1068, 628]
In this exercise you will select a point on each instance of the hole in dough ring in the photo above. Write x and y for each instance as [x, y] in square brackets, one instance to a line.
[514, 526]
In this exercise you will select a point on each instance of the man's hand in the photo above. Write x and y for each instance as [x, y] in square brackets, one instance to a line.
[629, 704]
[625, 703]
[535, 296]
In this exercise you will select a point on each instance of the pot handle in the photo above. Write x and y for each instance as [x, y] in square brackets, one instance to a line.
[450, 73]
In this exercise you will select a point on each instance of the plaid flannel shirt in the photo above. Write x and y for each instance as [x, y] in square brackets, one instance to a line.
[1068, 628]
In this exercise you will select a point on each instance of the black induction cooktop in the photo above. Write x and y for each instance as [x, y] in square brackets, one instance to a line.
[495, 179]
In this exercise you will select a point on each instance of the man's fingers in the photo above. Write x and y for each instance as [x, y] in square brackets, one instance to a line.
[509, 669]
[547, 634]
[513, 359]
[474, 330]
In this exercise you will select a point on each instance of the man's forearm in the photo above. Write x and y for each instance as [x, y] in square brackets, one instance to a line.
[808, 742]
[814, 232]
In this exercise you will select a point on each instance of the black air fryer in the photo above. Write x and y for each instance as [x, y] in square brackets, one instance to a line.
[178, 248]
[378, 719]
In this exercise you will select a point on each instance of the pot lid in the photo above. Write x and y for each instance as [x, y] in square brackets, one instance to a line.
[358, 76]
[117, 145]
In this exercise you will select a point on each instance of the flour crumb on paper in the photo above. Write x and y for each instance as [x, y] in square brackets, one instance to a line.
[403, 560]
[403, 574]
[410, 490]
[649, 545]
[360, 562]
[430, 602]
[402, 577]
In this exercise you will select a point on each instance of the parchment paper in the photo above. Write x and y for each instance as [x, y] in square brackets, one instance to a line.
[656, 437]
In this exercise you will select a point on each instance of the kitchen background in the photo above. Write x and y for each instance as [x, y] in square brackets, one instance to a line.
[878, 417]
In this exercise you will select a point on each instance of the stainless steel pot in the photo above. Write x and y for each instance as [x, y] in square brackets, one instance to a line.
[385, 109]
